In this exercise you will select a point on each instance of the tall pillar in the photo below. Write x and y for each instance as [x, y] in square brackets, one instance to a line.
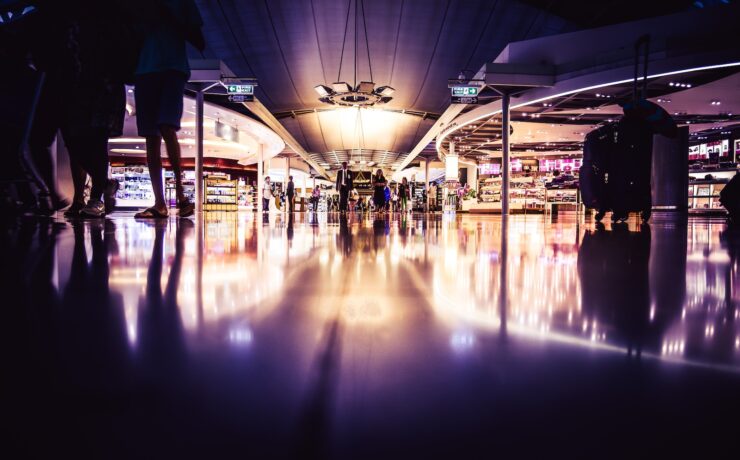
[260, 176]
[426, 184]
[505, 163]
[451, 171]
[199, 151]
[473, 176]
[285, 182]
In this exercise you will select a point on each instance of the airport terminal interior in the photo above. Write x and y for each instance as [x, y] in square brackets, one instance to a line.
[398, 229]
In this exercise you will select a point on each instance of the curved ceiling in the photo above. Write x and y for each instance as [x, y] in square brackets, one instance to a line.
[558, 125]
[290, 46]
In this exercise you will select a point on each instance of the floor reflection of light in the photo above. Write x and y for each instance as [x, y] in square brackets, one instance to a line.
[240, 335]
[462, 341]
[458, 266]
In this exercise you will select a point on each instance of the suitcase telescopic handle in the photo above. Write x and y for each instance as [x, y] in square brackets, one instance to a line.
[643, 41]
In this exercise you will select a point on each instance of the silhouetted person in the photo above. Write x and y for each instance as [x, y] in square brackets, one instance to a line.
[83, 97]
[95, 346]
[379, 183]
[344, 239]
[290, 227]
[290, 194]
[161, 75]
[266, 194]
[404, 193]
[160, 329]
[344, 185]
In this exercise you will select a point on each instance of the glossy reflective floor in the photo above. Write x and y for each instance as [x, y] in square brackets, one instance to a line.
[370, 337]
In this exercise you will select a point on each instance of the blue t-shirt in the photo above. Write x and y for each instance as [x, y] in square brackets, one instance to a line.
[164, 45]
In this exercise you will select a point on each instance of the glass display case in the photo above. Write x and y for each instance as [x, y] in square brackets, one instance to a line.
[188, 186]
[705, 187]
[220, 194]
[527, 192]
[135, 186]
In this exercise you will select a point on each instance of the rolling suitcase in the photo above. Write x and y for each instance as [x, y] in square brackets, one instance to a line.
[630, 171]
[593, 173]
[617, 169]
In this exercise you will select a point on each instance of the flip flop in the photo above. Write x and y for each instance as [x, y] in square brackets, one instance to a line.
[185, 208]
[150, 213]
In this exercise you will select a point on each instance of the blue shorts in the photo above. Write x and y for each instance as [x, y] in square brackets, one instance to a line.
[158, 97]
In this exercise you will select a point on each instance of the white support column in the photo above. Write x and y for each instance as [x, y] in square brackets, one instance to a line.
[285, 182]
[199, 200]
[451, 172]
[260, 176]
[505, 163]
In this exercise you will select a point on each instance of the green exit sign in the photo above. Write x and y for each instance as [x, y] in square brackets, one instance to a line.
[465, 91]
[240, 89]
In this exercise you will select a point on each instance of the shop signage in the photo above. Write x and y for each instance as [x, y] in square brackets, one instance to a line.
[226, 132]
[566, 165]
[489, 168]
[710, 151]
[362, 181]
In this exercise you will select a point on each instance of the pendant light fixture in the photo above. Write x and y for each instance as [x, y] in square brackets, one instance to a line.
[357, 94]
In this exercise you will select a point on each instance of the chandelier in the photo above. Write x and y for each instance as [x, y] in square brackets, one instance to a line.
[364, 93]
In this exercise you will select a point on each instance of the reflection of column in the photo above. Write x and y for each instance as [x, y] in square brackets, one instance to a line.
[199, 243]
[260, 176]
[503, 298]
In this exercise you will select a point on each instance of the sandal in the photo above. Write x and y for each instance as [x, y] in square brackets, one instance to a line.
[151, 213]
[185, 208]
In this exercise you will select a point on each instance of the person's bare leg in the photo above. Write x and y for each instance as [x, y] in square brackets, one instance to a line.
[169, 134]
[154, 161]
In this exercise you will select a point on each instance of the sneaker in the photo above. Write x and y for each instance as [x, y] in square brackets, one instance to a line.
[109, 195]
[93, 208]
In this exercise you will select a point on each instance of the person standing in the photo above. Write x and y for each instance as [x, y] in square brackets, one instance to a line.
[161, 75]
[266, 194]
[344, 185]
[290, 195]
[403, 194]
[379, 190]
[432, 197]
[315, 196]
[83, 97]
